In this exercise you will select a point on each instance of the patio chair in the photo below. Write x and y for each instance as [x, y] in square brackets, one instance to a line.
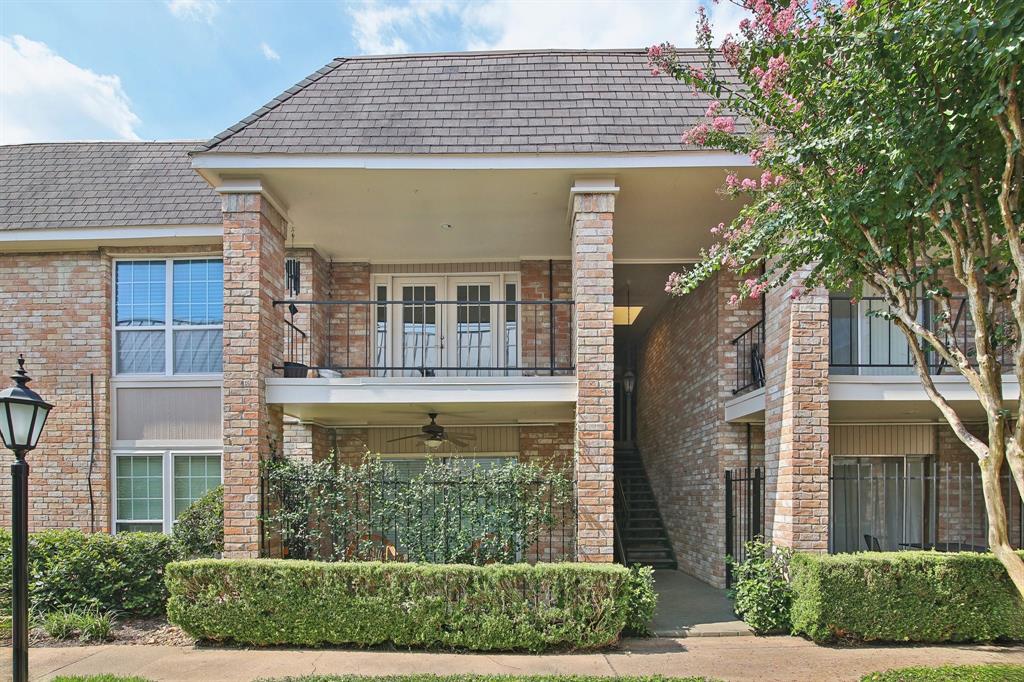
[872, 543]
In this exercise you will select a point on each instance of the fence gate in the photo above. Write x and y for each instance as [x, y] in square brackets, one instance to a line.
[744, 512]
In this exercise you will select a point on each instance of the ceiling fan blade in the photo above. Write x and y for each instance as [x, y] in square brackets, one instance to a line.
[415, 435]
[464, 435]
[457, 441]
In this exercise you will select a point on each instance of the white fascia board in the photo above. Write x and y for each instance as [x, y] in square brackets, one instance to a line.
[106, 234]
[746, 405]
[369, 390]
[909, 388]
[242, 161]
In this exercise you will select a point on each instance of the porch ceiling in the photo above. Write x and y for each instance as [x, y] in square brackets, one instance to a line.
[662, 214]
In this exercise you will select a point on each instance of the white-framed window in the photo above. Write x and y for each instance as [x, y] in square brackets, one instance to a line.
[168, 316]
[152, 487]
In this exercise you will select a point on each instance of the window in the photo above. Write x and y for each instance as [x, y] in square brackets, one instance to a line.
[153, 488]
[880, 503]
[169, 316]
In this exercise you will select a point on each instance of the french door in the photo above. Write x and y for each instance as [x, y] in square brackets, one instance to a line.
[450, 326]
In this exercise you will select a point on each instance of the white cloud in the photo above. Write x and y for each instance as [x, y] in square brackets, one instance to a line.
[382, 27]
[194, 10]
[377, 26]
[269, 52]
[44, 97]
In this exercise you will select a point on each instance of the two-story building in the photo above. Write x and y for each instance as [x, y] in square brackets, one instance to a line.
[478, 241]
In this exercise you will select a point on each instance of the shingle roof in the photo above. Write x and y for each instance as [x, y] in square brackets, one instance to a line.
[498, 102]
[91, 184]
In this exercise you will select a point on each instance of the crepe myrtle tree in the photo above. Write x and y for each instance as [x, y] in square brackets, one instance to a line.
[888, 139]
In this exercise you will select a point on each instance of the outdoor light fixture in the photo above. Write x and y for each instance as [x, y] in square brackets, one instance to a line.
[629, 381]
[434, 442]
[22, 416]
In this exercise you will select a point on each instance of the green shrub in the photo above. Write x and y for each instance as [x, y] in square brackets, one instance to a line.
[761, 590]
[503, 607]
[642, 601]
[992, 672]
[450, 513]
[90, 625]
[199, 530]
[70, 569]
[99, 678]
[905, 596]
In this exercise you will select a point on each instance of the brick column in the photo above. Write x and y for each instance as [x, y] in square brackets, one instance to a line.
[796, 418]
[254, 235]
[593, 209]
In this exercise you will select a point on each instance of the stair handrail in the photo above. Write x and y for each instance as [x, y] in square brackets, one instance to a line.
[621, 518]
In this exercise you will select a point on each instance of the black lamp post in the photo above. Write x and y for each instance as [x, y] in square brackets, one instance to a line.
[22, 416]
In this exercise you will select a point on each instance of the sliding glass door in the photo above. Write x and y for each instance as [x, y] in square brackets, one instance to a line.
[880, 503]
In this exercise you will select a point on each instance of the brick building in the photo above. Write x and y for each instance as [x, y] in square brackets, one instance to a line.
[484, 237]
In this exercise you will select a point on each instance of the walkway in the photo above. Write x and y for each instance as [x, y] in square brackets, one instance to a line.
[727, 658]
[688, 607]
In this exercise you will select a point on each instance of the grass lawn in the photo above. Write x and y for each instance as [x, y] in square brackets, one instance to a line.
[99, 678]
[951, 673]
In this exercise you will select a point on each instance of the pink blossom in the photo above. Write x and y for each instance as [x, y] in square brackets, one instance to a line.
[713, 108]
[654, 52]
[697, 134]
[718, 229]
[756, 156]
[734, 300]
[849, 5]
[770, 79]
[731, 181]
[775, 208]
[697, 73]
[748, 184]
[724, 124]
[655, 71]
[731, 51]
[860, 168]
[796, 293]
[673, 282]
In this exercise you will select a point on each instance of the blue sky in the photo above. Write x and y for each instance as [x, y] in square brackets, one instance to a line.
[185, 69]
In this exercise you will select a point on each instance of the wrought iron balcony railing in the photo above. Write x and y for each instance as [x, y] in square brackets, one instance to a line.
[862, 342]
[428, 338]
[749, 358]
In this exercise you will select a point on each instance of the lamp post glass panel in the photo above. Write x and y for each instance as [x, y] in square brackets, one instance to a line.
[22, 417]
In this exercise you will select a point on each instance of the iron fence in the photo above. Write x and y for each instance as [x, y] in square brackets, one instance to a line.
[744, 513]
[427, 337]
[902, 503]
[462, 519]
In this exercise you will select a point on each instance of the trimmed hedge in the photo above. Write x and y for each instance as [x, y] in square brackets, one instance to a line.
[992, 672]
[495, 607]
[905, 597]
[483, 678]
[69, 569]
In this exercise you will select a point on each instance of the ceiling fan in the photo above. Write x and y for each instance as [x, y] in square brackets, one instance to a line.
[434, 435]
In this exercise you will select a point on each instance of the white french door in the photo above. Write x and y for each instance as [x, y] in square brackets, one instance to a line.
[465, 336]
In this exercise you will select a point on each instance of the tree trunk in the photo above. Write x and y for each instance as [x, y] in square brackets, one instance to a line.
[998, 535]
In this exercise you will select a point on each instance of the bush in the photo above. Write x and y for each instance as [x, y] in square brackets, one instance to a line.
[450, 513]
[99, 678]
[69, 569]
[761, 590]
[642, 601]
[481, 678]
[199, 530]
[951, 673]
[505, 607]
[905, 596]
[89, 624]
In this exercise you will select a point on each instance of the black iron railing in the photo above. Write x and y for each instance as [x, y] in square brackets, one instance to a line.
[861, 341]
[904, 503]
[428, 338]
[460, 520]
[744, 513]
[749, 358]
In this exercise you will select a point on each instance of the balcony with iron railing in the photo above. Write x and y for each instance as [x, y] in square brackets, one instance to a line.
[862, 342]
[749, 348]
[427, 338]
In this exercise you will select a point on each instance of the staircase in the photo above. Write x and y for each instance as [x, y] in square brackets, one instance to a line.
[640, 535]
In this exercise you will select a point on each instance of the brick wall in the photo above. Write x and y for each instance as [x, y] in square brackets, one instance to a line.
[350, 343]
[56, 310]
[796, 418]
[253, 430]
[686, 374]
[545, 281]
[593, 284]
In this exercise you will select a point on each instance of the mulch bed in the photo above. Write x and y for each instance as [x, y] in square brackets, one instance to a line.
[133, 632]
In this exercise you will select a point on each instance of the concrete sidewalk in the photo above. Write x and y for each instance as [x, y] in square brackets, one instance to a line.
[727, 658]
[688, 607]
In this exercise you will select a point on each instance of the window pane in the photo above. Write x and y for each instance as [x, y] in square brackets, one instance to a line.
[139, 487]
[194, 475]
[199, 351]
[140, 297]
[198, 292]
[140, 352]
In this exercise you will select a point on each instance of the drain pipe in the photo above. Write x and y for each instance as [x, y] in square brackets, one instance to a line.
[92, 451]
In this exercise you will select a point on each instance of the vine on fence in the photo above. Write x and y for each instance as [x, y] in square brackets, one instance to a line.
[454, 511]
